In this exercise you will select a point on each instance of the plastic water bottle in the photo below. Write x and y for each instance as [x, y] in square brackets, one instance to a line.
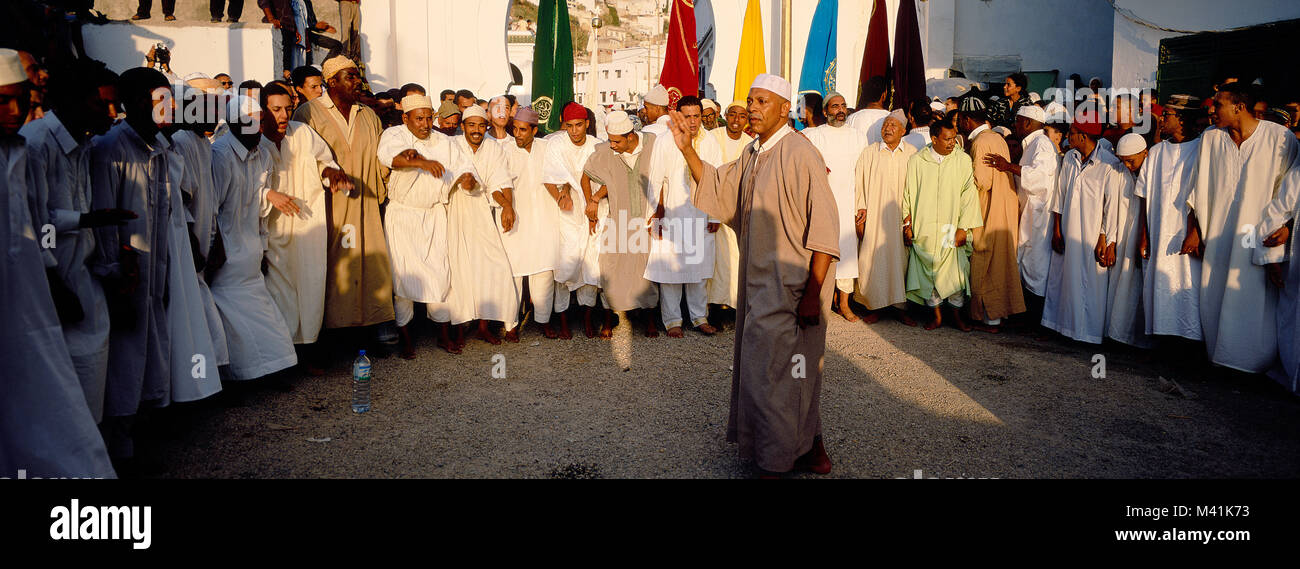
[361, 383]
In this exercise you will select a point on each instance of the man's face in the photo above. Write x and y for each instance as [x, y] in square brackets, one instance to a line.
[248, 129]
[767, 111]
[1055, 136]
[965, 123]
[891, 131]
[164, 107]
[944, 140]
[475, 128]
[312, 87]
[950, 105]
[1170, 123]
[109, 94]
[837, 111]
[102, 109]
[226, 82]
[499, 111]
[419, 122]
[464, 102]
[448, 97]
[1261, 107]
[1124, 111]
[737, 118]
[346, 84]
[1025, 126]
[276, 114]
[623, 143]
[1077, 138]
[1224, 112]
[577, 129]
[450, 123]
[694, 116]
[14, 102]
[1134, 162]
[524, 132]
[709, 118]
[653, 112]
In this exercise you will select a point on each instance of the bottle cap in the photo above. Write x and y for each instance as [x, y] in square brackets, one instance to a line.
[363, 352]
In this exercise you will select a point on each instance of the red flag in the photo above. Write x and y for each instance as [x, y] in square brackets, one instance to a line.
[681, 64]
[909, 63]
[875, 58]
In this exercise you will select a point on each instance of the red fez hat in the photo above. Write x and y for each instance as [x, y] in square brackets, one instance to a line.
[574, 111]
[1089, 122]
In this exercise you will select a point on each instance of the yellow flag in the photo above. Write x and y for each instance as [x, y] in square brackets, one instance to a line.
[752, 62]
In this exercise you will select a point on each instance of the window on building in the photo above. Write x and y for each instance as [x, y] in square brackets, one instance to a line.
[618, 73]
[606, 73]
[602, 96]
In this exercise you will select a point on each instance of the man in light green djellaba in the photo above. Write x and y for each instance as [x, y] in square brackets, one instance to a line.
[940, 207]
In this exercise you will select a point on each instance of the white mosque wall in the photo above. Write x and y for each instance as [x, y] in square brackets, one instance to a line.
[1072, 36]
[1137, 46]
[440, 44]
[243, 51]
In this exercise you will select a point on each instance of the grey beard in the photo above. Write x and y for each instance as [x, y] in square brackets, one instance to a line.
[835, 122]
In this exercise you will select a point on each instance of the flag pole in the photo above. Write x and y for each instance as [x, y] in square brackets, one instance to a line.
[785, 39]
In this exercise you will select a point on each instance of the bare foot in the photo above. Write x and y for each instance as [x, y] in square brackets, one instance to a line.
[937, 321]
[513, 335]
[587, 327]
[707, 329]
[651, 331]
[675, 332]
[565, 334]
[549, 331]
[485, 335]
[987, 328]
[903, 318]
[845, 309]
[607, 329]
[448, 345]
[958, 323]
[871, 317]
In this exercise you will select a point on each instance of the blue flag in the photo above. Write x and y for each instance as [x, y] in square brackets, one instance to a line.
[819, 58]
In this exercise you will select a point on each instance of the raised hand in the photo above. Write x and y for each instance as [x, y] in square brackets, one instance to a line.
[680, 132]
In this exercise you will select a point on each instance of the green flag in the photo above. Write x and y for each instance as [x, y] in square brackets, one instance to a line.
[552, 63]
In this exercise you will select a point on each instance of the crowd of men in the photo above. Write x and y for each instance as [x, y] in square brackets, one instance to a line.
[194, 234]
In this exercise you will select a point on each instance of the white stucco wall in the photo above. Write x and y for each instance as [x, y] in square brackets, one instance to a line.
[1137, 47]
[1072, 36]
[244, 50]
[440, 44]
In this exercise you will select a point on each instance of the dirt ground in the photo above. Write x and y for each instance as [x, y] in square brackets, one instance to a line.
[896, 400]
